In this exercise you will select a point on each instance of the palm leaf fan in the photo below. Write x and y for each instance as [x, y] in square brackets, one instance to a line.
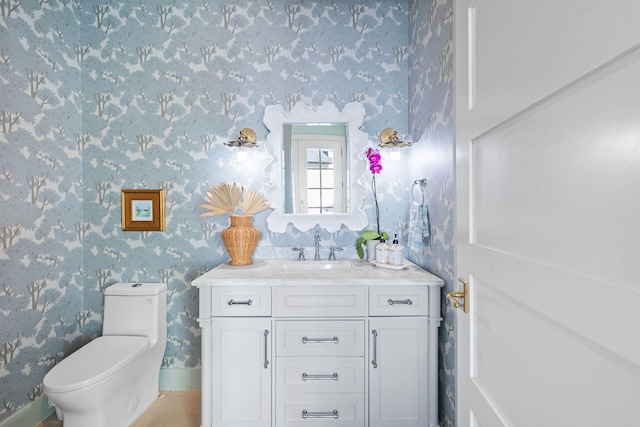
[252, 202]
[222, 198]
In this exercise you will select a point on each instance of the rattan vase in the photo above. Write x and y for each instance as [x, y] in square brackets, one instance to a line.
[241, 239]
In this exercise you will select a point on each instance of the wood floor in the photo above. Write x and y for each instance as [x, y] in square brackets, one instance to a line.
[173, 408]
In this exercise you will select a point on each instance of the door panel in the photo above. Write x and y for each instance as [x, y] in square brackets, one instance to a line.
[559, 183]
[547, 170]
[523, 361]
[522, 52]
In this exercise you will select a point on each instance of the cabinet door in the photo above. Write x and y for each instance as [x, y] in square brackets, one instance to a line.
[398, 372]
[241, 372]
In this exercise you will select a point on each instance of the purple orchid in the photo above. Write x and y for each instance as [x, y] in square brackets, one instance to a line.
[375, 166]
[373, 155]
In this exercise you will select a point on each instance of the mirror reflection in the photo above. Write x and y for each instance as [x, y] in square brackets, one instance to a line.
[317, 161]
[315, 168]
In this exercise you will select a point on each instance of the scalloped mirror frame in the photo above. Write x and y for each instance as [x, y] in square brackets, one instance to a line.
[274, 119]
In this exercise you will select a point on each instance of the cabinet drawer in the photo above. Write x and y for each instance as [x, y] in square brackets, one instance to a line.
[241, 301]
[324, 301]
[344, 410]
[398, 300]
[320, 338]
[320, 375]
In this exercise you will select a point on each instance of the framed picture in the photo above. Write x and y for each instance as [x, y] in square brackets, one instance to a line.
[143, 210]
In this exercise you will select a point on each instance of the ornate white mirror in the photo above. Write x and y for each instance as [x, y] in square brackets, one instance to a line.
[315, 166]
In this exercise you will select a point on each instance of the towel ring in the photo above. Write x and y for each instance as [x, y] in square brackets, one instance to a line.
[422, 183]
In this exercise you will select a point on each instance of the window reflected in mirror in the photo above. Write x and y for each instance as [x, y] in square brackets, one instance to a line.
[315, 168]
[320, 197]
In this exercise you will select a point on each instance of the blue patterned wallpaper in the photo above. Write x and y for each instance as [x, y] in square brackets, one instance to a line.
[98, 96]
[431, 125]
[41, 196]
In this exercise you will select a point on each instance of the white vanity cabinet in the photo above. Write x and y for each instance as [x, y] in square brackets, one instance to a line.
[241, 372]
[351, 350]
[399, 375]
[398, 379]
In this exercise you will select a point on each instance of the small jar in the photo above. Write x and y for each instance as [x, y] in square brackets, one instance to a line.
[382, 252]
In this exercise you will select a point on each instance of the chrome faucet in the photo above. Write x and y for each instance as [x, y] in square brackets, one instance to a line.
[316, 257]
[332, 252]
[300, 252]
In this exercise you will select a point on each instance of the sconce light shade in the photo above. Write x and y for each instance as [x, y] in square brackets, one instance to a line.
[389, 139]
[246, 139]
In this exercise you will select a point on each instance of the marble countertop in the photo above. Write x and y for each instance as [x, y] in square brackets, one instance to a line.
[288, 272]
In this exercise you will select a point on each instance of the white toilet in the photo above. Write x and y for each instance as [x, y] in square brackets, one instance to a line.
[113, 379]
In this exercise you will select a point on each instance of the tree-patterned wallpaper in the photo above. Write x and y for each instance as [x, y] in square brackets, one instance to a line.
[431, 126]
[99, 96]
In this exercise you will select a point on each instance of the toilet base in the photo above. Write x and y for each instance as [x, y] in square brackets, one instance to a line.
[104, 417]
[113, 402]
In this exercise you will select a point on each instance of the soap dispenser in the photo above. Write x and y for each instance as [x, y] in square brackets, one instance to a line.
[382, 252]
[396, 253]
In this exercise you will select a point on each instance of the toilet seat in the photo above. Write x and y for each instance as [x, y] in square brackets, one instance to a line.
[94, 362]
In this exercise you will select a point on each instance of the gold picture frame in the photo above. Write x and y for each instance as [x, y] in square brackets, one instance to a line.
[142, 210]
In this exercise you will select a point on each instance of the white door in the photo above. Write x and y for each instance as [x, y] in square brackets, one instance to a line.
[548, 219]
[398, 372]
[241, 372]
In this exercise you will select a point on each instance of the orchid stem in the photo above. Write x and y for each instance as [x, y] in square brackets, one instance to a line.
[375, 199]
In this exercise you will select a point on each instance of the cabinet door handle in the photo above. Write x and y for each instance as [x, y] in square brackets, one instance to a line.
[399, 301]
[306, 414]
[306, 340]
[374, 362]
[232, 302]
[307, 377]
[266, 344]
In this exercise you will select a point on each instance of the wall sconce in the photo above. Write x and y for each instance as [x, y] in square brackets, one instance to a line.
[246, 139]
[389, 139]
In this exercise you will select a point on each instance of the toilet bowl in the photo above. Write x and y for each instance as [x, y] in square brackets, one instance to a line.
[113, 379]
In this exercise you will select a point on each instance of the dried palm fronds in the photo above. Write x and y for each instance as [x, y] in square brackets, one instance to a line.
[252, 202]
[222, 198]
[226, 197]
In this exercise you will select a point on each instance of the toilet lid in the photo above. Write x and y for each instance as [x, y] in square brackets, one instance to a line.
[94, 362]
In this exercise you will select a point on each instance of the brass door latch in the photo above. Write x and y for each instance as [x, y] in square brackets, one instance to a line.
[456, 296]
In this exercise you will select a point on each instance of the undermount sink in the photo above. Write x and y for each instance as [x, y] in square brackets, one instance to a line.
[317, 267]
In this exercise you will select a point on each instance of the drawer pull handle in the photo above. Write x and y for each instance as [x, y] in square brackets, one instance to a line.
[307, 377]
[232, 302]
[306, 340]
[374, 362]
[266, 351]
[399, 301]
[306, 414]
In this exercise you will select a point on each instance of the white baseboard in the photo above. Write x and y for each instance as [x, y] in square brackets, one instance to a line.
[39, 409]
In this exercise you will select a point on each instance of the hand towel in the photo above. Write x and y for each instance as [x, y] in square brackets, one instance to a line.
[418, 227]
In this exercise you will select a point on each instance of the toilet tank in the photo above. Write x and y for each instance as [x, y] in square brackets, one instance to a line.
[137, 309]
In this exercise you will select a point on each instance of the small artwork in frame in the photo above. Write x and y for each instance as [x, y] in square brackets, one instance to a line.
[143, 210]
